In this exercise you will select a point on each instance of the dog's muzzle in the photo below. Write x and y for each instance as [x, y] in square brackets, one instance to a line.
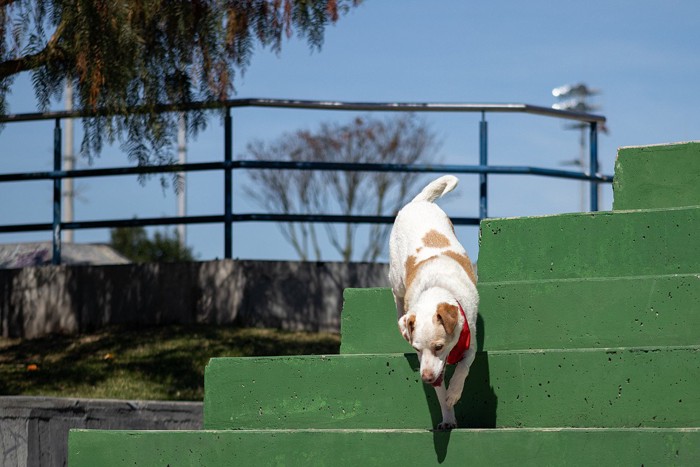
[437, 381]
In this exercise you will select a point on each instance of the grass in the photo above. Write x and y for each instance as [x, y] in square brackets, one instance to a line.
[164, 363]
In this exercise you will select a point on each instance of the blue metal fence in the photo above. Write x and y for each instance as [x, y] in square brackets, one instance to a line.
[228, 165]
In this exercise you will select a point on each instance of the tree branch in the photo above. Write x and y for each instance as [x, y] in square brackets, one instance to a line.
[35, 60]
[18, 65]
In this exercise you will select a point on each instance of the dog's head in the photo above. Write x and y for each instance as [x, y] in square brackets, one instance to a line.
[432, 328]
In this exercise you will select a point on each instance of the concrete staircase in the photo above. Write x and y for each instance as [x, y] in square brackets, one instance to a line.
[589, 354]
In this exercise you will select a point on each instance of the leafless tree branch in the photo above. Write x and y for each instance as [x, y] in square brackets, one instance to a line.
[402, 140]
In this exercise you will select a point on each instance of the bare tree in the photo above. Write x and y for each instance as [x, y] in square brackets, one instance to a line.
[399, 140]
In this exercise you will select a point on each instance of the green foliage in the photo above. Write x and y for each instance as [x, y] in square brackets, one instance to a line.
[125, 53]
[133, 242]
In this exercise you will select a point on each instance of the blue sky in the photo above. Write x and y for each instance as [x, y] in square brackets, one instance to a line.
[643, 55]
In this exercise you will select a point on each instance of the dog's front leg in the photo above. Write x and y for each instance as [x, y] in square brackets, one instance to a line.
[449, 421]
[454, 393]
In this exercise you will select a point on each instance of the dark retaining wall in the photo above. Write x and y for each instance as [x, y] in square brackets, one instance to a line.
[37, 301]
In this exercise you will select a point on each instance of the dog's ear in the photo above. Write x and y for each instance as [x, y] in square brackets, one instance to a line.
[407, 324]
[447, 315]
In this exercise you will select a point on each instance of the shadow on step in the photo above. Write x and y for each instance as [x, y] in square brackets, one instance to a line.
[476, 408]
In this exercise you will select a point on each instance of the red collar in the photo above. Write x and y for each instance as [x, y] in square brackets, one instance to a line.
[457, 353]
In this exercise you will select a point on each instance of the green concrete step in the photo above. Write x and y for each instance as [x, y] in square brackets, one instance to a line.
[604, 244]
[554, 314]
[583, 313]
[368, 323]
[336, 448]
[617, 387]
[658, 176]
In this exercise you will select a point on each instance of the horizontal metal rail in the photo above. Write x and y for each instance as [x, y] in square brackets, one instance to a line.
[217, 219]
[287, 165]
[317, 105]
[113, 171]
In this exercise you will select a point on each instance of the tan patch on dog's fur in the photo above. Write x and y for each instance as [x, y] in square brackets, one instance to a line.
[447, 315]
[411, 270]
[463, 261]
[435, 239]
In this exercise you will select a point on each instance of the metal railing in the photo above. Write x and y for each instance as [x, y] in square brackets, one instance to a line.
[228, 165]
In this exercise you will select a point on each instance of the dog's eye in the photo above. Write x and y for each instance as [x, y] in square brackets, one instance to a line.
[438, 347]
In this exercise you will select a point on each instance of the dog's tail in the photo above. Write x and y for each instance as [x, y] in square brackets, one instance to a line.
[437, 188]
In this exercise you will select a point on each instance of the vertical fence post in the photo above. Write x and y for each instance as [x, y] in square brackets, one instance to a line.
[228, 185]
[483, 161]
[593, 164]
[57, 160]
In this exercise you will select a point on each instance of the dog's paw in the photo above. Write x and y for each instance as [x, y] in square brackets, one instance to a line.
[449, 421]
[445, 426]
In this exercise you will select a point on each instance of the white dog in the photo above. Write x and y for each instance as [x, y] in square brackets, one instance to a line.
[434, 288]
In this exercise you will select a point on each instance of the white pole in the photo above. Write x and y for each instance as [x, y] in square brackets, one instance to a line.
[182, 158]
[68, 164]
[584, 167]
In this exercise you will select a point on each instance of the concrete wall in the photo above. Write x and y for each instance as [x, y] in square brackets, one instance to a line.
[288, 295]
[34, 430]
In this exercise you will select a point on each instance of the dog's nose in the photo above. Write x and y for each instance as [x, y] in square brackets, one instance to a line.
[427, 375]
